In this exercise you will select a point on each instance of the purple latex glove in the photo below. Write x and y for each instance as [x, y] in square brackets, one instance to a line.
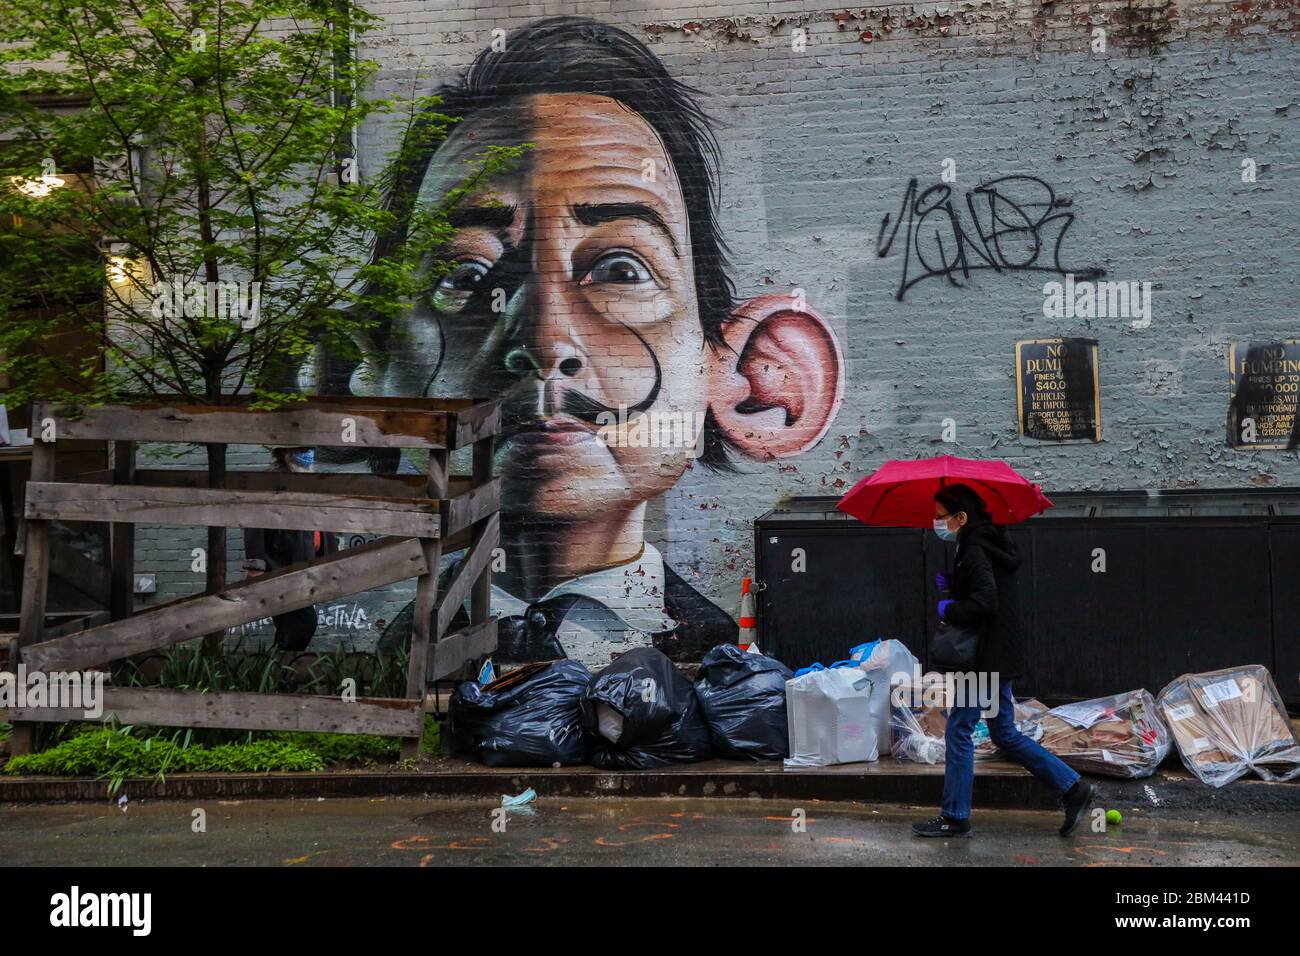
[943, 607]
[943, 581]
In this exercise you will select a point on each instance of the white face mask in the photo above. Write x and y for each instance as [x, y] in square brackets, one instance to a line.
[941, 529]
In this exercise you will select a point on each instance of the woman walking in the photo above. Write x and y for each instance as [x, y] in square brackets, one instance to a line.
[983, 596]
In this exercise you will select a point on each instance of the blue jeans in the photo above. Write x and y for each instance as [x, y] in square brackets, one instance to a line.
[959, 754]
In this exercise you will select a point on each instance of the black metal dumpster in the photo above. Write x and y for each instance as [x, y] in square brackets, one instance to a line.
[1124, 590]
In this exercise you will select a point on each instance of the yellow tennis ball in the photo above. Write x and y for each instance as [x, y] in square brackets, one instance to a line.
[1114, 818]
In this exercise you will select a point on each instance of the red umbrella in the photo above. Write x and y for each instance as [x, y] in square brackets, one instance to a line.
[901, 493]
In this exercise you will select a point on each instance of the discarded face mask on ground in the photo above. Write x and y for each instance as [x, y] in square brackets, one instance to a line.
[1229, 722]
[642, 712]
[742, 697]
[531, 717]
[1118, 736]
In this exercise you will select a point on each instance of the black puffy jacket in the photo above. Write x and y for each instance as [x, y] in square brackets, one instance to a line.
[986, 595]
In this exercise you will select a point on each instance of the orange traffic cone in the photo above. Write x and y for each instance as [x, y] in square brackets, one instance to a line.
[748, 623]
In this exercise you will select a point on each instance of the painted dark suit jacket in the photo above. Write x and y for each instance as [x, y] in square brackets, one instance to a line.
[531, 636]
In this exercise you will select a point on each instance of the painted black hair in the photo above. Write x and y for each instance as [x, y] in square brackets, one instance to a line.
[580, 55]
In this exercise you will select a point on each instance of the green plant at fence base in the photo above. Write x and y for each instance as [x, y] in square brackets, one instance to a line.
[344, 748]
[431, 740]
[113, 753]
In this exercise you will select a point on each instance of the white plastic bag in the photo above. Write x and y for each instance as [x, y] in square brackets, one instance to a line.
[830, 717]
[886, 660]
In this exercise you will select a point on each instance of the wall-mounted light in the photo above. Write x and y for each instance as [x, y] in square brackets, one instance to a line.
[37, 188]
[119, 270]
[120, 266]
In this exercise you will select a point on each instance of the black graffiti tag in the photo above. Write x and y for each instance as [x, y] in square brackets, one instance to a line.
[1017, 224]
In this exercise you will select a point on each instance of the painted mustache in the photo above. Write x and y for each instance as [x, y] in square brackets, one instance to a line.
[583, 407]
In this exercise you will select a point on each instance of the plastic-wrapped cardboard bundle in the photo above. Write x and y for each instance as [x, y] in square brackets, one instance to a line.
[919, 731]
[1119, 736]
[829, 714]
[1228, 722]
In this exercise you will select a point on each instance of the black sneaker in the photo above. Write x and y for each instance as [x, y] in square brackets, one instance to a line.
[941, 826]
[1076, 802]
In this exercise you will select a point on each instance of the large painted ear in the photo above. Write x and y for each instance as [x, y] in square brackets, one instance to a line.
[776, 388]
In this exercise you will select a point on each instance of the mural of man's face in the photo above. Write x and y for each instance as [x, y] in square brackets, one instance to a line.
[573, 299]
[573, 293]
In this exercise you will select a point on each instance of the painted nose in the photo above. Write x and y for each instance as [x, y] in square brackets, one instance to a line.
[526, 361]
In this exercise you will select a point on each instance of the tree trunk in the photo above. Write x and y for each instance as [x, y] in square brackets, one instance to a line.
[216, 580]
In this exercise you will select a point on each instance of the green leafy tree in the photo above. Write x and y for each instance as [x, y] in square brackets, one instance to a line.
[178, 183]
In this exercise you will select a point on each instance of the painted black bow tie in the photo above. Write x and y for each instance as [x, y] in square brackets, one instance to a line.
[530, 636]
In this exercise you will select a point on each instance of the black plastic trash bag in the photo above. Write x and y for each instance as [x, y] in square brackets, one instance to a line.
[742, 697]
[531, 717]
[642, 712]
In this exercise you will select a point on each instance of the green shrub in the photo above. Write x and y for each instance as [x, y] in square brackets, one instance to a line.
[117, 754]
[112, 752]
[256, 756]
[431, 740]
[344, 748]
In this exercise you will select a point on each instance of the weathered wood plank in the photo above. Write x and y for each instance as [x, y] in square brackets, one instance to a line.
[36, 554]
[372, 402]
[36, 578]
[480, 598]
[326, 424]
[233, 710]
[352, 484]
[481, 421]
[81, 573]
[454, 650]
[426, 596]
[223, 507]
[471, 507]
[347, 572]
[467, 572]
[121, 552]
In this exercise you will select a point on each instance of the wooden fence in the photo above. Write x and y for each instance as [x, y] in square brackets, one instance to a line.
[418, 516]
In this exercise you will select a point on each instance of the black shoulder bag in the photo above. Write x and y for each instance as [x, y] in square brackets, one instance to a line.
[954, 648]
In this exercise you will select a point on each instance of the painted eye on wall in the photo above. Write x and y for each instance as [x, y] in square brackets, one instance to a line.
[618, 268]
[454, 289]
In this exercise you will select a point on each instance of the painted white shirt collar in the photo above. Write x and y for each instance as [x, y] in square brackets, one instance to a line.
[634, 591]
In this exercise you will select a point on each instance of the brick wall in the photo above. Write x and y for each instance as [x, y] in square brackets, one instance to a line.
[1142, 144]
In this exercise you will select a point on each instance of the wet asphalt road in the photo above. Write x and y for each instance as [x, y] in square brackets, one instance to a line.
[411, 832]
